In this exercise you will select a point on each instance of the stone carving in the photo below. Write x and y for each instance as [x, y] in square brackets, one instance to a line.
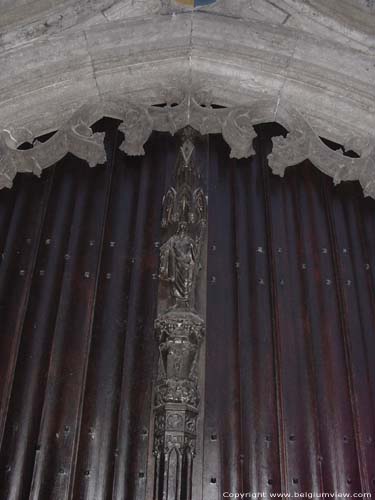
[138, 122]
[236, 125]
[287, 151]
[76, 138]
[36, 21]
[239, 133]
[302, 143]
[137, 127]
[179, 330]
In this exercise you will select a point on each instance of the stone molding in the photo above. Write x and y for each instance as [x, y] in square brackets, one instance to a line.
[241, 60]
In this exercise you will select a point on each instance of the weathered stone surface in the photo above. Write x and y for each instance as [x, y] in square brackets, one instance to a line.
[140, 56]
[307, 56]
[240, 60]
[43, 83]
[234, 123]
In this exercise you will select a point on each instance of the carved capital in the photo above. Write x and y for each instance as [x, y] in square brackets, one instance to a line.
[182, 325]
[175, 390]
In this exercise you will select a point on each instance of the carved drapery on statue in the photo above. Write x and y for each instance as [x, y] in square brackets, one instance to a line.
[178, 262]
[179, 329]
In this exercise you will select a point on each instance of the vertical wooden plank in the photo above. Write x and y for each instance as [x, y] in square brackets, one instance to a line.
[365, 224]
[97, 444]
[275, 314]
[257, 371]
[304, 267]
[71, 339]
[333, 401]
[16, 274]
[7, 201]
[20, 444]
[299, 441]
[222, 467]
[139, 349]
[357, 315]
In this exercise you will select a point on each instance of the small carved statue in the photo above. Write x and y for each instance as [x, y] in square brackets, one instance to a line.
[178, 265]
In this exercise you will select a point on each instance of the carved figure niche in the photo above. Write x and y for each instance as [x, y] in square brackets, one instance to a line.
[180, 326]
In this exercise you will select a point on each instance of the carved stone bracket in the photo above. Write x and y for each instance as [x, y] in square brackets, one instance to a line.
[235, 124]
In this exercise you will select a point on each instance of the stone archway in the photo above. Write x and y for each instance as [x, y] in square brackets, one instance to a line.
[257, 62]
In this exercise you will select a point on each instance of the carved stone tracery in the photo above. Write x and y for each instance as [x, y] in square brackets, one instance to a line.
[235, 124]
[76, 138]
[301, 143]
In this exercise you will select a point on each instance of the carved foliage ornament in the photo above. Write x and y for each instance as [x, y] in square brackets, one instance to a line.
[235, 124]
[302, 143]
[76, 138]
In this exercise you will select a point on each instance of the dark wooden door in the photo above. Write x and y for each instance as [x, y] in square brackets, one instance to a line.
[290, 368]
[290, 371]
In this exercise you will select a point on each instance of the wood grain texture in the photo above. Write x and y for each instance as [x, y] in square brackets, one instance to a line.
[290, 366]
